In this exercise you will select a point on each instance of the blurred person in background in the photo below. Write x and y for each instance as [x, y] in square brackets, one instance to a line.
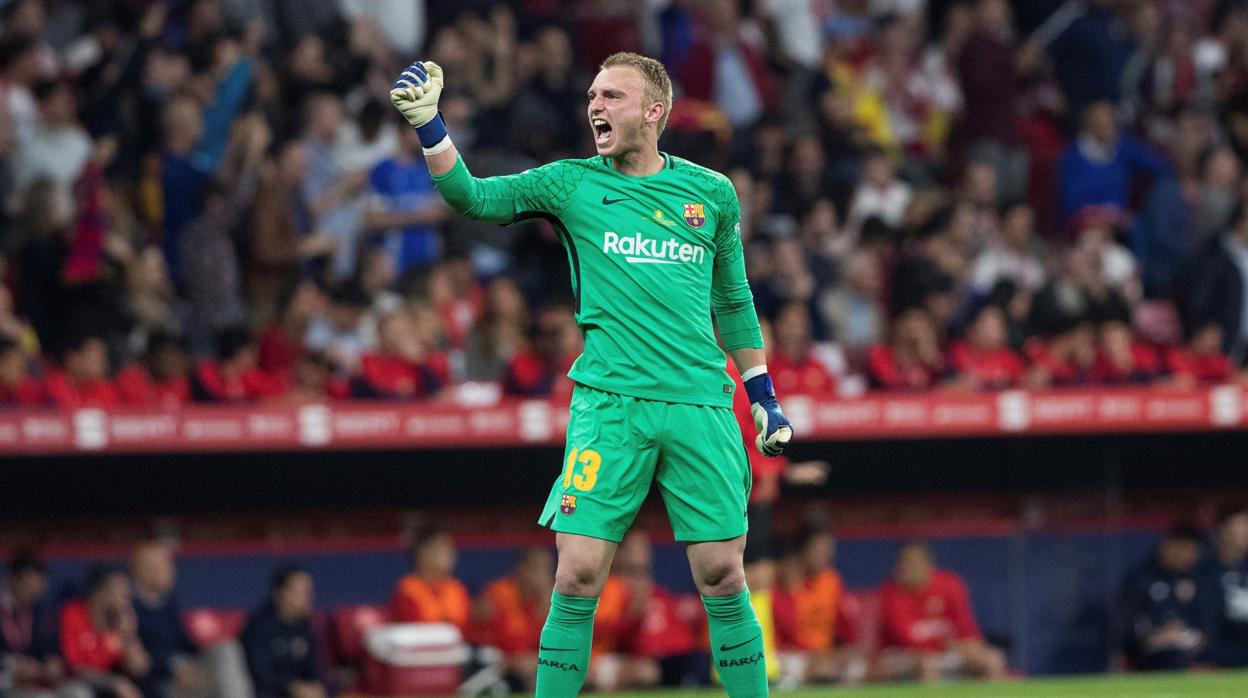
[1098, 168]
[59, 147]
[854, 311]
[498, 333]
[1120, 358]
[281, 345]
[233, 377]
[1161, 607]
[83, 379]
[929, 630]
[282, 650]
[640, 637]
[1224, 590]
[177, 670]
[100, 636]
[401, 367]
[30, 655]
[879, 192]
[340, 331]
[1200, 361]
[333, 194]
[540, 369]
[404, 209]
[18, 388]
[912, 360]
[1215, 286]
[431, 593]
[808, 610]
[724, 67]
[793, 361]
[510, 612]
[1014, 254]
[984, 360]
[161, 379]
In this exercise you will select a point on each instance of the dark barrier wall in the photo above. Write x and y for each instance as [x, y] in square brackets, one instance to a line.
[179, 484]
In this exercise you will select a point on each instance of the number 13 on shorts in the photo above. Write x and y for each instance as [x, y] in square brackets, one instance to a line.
[589, 461]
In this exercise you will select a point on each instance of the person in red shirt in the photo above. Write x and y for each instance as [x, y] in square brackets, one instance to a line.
[928, 629]
[807, 608]
[84, 380]
[510, 614]
[1065, 358]
[1201, 361]
[402, 367]
[983, 361]
[234, 376]
[791, 362]
[431, 594]
[642, 634]
[541, 369]
[99, 636]
[17, 386]
[281, 345]
[162, 380]
[1120, 360]
[913, 360]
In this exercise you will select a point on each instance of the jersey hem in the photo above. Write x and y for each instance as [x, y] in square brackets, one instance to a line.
[726, 403]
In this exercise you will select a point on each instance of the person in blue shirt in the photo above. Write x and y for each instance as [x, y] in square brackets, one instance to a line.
[1161, 606]
[161, 630]
[1100, 166]
[406, 209]
[1224, 590]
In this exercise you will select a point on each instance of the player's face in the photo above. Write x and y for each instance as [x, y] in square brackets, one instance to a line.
[617, 111]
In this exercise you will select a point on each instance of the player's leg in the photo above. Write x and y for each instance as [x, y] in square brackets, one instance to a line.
[607, 469]
[704, 478]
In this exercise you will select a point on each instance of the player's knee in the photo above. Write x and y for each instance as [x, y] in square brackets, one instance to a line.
[721, 579]
[578, 579]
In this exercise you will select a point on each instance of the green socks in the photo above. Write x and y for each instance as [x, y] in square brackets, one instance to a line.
[736, 645]
[567, 637]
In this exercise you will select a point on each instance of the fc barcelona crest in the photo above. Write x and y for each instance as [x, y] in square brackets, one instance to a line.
[695, 215]
[567, 504]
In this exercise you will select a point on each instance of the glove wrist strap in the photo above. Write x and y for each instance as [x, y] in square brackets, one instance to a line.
[432, 133]
[758, 387]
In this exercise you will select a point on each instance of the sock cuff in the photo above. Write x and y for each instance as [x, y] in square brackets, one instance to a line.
[728, 608]
[573, 607]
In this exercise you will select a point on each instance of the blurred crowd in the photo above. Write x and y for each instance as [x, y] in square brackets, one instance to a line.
[122, 631]
[212, 200]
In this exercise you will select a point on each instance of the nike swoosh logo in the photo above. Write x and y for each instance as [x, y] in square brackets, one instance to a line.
[608, 202]
[729, 648]
[544, 648]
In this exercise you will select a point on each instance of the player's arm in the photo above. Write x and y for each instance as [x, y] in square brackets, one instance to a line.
[495, 199]
[733, 303]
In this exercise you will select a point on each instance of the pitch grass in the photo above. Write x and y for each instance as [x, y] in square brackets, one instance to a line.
[1221, 684]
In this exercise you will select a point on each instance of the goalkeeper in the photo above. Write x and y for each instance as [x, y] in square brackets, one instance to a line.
[653, 242]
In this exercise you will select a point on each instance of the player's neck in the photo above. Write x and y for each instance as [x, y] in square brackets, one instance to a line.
[639, 163]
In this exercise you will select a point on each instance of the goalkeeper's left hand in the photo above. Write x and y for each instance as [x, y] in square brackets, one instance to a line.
[774, 429]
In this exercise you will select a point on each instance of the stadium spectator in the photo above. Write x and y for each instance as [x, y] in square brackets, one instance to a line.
[431, 593]
[234, 377]
[541, 368]
[510, 612]
[177, 670]
[499, 331]
[879, 193]
[401, 367]
[1215, 287]
[30, 656]
[854, 311]
[724, 68]
[282, 650]
[19, 62]
[1200, 361]
[405, 208]
[1097, 170]
[1161, 608]
[794, 362]
[334, 195]
[1120, 359]
[984, 360]
[641, 638]
[99, 636]
[17, 387]
[340, 331]
[59, 147]
[912, 360]
[929, 629]
[807, 611]
[83, 379]
[1013, 255]
[1224, 590]
[281, 345]
[161, 380]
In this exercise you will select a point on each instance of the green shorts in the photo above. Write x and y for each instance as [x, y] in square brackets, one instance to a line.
[617, 445]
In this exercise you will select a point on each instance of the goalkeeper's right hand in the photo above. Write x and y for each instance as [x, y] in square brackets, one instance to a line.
[415, 94]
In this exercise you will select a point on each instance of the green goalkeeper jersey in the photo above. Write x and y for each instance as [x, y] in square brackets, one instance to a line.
[650, 256]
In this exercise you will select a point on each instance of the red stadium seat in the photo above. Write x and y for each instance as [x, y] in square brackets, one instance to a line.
[210, 626]
[350, 625]
[858, 618]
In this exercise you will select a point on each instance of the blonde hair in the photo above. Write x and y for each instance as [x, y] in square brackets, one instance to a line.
[658, 86]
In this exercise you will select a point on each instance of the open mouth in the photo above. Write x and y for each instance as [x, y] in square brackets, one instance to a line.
[602, 131]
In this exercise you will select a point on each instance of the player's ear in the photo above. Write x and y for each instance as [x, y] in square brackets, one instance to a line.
[654, 112]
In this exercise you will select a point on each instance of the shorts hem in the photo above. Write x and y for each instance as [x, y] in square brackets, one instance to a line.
[710, 536]
[558, 527]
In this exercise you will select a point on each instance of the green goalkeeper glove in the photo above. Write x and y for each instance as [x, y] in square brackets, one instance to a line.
[415, 94]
